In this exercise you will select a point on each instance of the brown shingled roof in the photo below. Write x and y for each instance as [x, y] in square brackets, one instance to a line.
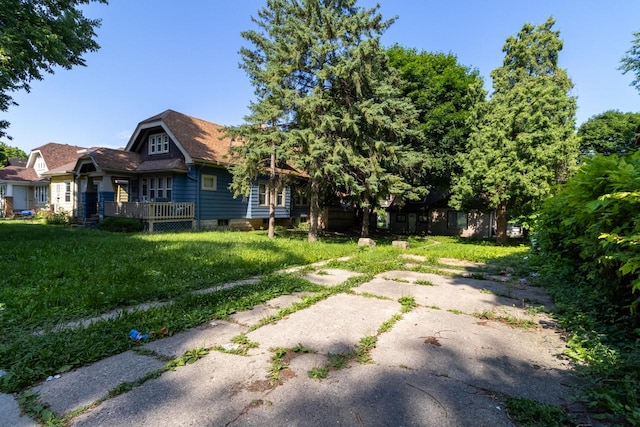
[19, 173]
[115, 160]
[201, 139]
[162, 165]
[56, 155]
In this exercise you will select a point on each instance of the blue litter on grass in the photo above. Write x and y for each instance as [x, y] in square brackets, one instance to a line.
[136, 335]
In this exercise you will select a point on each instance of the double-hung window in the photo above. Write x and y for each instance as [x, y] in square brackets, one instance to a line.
[159, 143]
[264, 193]
[154, 188]
[67, 191]
[41, 195]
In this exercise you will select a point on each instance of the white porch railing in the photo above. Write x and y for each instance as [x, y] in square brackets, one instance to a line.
[151, 211]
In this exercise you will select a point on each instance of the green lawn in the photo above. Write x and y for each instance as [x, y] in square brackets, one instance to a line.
[54, 274]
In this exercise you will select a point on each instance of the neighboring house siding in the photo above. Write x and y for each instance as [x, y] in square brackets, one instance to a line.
[442, 222]
[219, 204]
[60, 197]
[262, 211]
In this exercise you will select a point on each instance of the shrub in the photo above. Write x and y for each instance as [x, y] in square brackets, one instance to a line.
[59, 218]
[593, 224]
[123, 225]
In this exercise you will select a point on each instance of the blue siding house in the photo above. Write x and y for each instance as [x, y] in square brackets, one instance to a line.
[173, 173]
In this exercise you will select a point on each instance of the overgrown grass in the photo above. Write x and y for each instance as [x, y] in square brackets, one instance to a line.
[58, 274]
[469, 249]
[29, 357]
[604, 339]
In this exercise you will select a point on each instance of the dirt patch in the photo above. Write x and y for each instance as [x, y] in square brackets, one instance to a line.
[460, 262]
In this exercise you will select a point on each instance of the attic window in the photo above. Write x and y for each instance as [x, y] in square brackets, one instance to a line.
[40, 166]
[159, 143]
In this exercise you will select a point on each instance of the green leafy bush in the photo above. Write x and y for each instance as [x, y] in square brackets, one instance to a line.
[587, 247]
[59, 218]
[593, 224]
[124, 225]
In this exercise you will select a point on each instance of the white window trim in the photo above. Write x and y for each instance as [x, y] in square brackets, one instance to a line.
[282, 195]
[41, 195]
[158, 143]
[152, 185]
[40, 165]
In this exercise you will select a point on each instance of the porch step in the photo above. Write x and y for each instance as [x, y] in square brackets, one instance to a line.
[91, 221]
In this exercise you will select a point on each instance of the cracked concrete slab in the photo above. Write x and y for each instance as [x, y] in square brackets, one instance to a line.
[10, 414]
[330, 276]
[432, 367]
[215, 390]
[333, 325]
[84, 386]
[215, 332]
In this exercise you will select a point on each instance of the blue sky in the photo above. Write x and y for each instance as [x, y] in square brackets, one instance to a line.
[161, 54]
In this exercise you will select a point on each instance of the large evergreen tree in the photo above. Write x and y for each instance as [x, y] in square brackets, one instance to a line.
[609, 132]
[523, 141]
[327, 102]
[36, 36]
[444, 92]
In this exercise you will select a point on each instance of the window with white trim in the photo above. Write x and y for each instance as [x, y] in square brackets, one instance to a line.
[209, 182]
[67, 191]
[41, 195]
[155, 188]
[159, 143]
[40, 165]
[264, 195]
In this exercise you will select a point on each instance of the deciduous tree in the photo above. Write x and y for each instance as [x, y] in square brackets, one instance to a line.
[609, 132]
[35, 37]
[523, 141]
[7, 152]
[444, 92]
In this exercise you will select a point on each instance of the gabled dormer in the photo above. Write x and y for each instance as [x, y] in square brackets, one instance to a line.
[51, 156]
[171, 135]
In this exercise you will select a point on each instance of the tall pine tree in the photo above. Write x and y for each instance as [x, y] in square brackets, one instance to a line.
[523, 141]
[328, 102]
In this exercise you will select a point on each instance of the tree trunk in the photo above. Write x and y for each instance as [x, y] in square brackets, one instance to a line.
[272, 211]
[364, 232]
[314, 211]
[273, 193]
[501, 224]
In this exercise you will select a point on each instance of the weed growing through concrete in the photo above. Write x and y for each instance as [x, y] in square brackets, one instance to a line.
[339, 361]
[423, 282]
[455, 311]
[530, 413]
[508, 319]
[189, 357]
[31, 405]
[280, 360]
[408, 304]
[387, 325]
[318, 373]
[363, 349]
